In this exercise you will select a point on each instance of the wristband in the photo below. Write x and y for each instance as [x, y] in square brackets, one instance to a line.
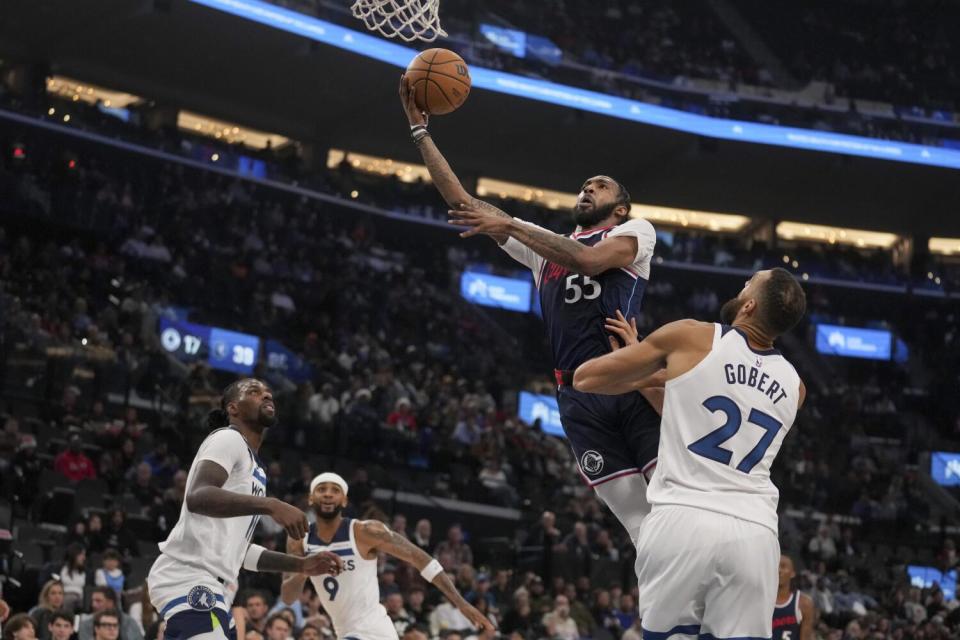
[250, 561]
[432, 570]
[420, 135]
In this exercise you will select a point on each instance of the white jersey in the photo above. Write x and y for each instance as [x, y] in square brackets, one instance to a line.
[218, 545]
[352, 599]
[723, 424]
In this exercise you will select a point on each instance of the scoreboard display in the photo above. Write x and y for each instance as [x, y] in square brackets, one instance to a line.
[220, 348]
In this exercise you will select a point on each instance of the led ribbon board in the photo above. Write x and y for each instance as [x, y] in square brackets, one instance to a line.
[535, 406]
[871, 344]
[220, 348]
[558, 94]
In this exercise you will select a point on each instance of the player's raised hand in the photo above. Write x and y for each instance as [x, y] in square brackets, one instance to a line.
[621, 328]
[480, 621]
[480, 220]
[414, 114]
[290, 518]
[323, 563]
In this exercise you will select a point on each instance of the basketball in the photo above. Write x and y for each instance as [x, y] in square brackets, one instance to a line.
[440, 81]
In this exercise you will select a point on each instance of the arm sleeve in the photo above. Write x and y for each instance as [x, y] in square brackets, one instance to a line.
[252, 557]
[522, 253]
[226, 447]
[646, 237]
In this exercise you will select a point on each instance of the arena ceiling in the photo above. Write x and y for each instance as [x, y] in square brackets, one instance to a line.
[189, 56]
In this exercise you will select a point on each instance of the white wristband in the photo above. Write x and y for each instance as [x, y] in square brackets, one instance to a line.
[250, 561]
[432, 570]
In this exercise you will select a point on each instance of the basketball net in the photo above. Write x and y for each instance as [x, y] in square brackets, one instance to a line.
[409, 19]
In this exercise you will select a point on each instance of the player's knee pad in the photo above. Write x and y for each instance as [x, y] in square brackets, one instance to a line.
[627, 499]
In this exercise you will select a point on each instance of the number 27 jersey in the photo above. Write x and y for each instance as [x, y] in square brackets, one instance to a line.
[723, 423]
[575, 306]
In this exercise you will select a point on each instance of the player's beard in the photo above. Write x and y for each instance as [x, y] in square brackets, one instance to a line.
[266, 421]
[730, 309]
[329, 515]
[593, 216]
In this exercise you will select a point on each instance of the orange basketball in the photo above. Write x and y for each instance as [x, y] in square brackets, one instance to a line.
[440, 80]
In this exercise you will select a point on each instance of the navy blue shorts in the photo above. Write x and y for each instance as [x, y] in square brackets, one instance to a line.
[611, 436]
[191, 622]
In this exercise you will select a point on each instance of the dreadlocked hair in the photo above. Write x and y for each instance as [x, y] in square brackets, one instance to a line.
[219, 418]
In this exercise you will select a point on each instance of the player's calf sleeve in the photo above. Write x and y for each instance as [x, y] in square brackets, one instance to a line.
[627, 499]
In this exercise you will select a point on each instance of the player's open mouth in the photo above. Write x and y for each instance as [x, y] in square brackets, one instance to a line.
[584, 203]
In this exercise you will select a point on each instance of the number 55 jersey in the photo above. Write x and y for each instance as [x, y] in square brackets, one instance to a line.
[351, 599]
[723, 423]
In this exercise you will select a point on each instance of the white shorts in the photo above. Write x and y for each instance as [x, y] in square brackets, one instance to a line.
[176, 587]
[706, 575]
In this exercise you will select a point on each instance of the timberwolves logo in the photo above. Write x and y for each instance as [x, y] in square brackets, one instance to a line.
[201, 598]
[591, 462]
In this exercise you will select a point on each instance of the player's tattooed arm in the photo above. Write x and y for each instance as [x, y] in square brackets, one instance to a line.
[484, 218]
[375, 535]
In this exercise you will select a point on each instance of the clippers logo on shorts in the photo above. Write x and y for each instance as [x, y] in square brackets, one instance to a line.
[201, 598]
[591, 462]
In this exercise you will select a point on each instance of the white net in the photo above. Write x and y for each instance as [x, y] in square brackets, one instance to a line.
[409, 19]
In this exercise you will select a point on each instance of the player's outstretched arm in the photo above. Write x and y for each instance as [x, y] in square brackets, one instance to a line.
[442, 175]
[207, 497]
[611, 253]
[621, 371]
[373, 534]
[260, 559]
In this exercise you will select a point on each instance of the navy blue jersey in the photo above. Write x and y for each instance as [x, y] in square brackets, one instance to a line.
[786, 619]
[575, 306]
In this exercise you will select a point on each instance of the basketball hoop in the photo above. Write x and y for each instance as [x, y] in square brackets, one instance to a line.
[409, 19]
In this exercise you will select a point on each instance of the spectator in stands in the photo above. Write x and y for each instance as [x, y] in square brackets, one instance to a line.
[118, 535]
[257, 608]
[26, 472]
[822, 546]
[144, 488]
[20, 627]
[402, 418]
[422, 535]
[60, 626]
[395, 610]
[604, 548]
[627, 612]
[558, 622]
[106, 625]
[495, 480]
[521, 618]
[416, 605]
[50, 602]
[416, 632]
[388, 580]
[9, 441]
[578, 611]
[577, 546]
[73, 463]
[104, 599]
[110, 573]
[446, 619]
[278, 627]
[73, 575]
[168, 512]
[603, 614]
[455, 549]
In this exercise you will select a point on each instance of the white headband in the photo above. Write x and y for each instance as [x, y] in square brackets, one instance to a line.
[329, 477]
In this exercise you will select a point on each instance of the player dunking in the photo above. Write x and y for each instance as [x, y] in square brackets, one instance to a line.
[582, 280]
[794, 613]
[708, 552]
[352, 599]
[226, 495]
